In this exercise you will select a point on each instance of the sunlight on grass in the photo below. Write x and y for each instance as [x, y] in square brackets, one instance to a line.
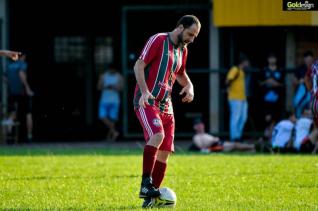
[105, 180]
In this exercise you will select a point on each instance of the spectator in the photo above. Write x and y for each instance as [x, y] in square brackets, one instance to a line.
[302, 129]
[110, 83]
[283, 133]
[302, 95]
[20, 93]
[201, 140]
[235, 81]
[8, 123]
[272, 86]
[205, 142]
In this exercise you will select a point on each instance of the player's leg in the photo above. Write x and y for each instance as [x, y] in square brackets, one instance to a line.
[153, 131]
[166, 148]
[158, 174]
[160, 167]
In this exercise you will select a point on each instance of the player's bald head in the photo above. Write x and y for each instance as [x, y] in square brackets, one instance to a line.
[188, 20]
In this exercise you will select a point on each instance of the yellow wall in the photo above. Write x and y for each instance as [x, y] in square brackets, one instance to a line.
[259, 13]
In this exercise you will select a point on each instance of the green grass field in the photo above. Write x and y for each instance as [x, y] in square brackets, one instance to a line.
[98, 179]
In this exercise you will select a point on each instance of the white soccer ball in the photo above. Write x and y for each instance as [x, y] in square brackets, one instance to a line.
[167, 198]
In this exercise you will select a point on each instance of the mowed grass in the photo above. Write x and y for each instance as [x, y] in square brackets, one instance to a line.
[99, 179]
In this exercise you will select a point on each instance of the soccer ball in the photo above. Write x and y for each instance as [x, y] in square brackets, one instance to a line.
[167, 198]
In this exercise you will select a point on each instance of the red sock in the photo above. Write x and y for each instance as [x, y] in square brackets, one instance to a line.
[150, 154]
[158, 173]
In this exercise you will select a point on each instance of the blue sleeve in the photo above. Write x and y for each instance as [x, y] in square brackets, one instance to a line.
[23, 66]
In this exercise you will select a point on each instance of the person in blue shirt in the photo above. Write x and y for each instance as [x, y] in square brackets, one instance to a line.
[110, 84]
[301, 100]
[19, 93]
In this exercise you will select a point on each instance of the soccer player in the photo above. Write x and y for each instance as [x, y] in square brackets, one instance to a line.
[161, 63]
[311, 81]
[11, 54]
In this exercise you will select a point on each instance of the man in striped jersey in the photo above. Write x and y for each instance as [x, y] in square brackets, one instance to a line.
[311, 81]
[161, 63]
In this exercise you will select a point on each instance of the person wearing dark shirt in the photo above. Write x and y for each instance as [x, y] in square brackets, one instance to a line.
[272, 84]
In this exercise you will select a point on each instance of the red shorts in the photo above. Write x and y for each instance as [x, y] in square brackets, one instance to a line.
[153, 121]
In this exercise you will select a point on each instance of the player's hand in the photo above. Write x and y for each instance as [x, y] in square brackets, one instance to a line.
[188, 90]
[143, 101]
[14, 55]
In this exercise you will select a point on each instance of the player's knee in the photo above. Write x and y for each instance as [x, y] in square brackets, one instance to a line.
[159, 137]
[156, 139]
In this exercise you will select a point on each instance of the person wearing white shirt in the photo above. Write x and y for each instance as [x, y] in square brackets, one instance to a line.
[302, 129]
[282, 133]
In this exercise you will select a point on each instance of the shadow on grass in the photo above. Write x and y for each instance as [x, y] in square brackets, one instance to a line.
[69, 177]
[66, 151]
[120, 150]
[75, 208]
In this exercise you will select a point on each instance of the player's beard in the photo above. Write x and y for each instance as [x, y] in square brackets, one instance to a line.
[181, 41]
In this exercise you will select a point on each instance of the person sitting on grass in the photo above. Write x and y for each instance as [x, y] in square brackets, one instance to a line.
[206, 143]
[306, 136]
[303, 127]
[283, 133]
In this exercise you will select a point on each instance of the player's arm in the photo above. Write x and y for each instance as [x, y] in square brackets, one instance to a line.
[184, 80]
[14, 55]
[139, 70]
[24, 80]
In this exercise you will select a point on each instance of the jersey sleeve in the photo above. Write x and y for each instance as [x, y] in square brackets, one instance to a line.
[184, 61]
[152, 48]
[232, 73]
